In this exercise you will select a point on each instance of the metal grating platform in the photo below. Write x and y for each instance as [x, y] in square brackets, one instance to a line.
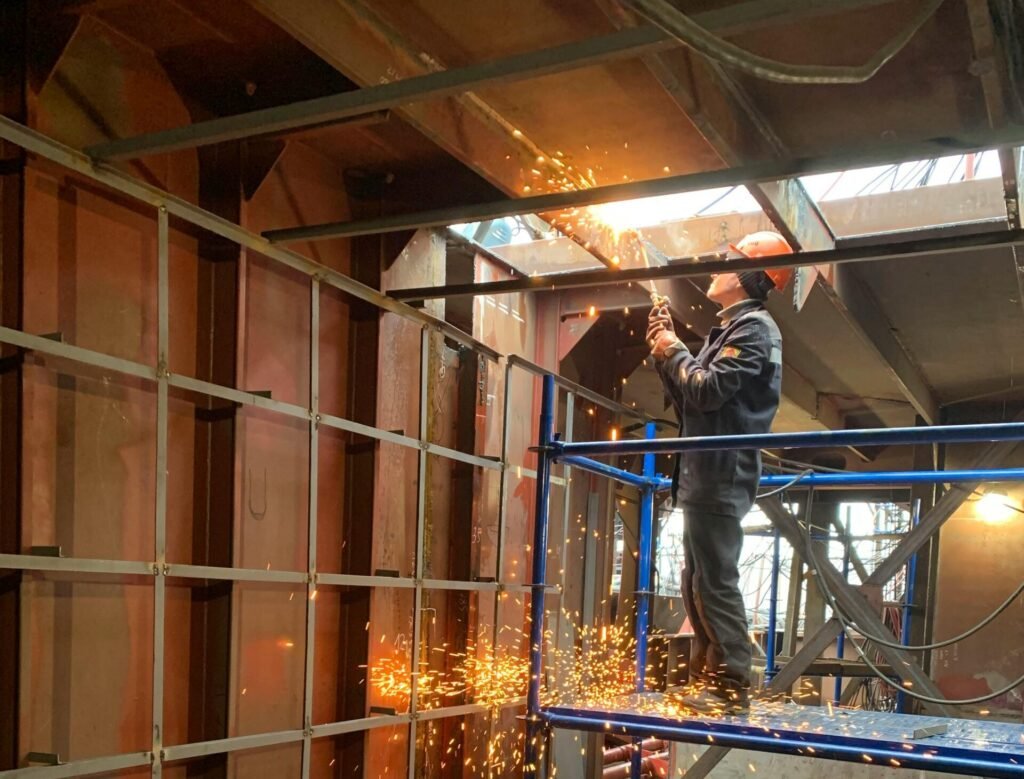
[957, 746]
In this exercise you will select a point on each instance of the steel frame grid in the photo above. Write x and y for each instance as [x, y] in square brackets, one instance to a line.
[541, 720]
[166, 205]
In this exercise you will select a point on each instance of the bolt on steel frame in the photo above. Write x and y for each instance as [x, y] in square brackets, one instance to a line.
[165, 205]
[541, 719]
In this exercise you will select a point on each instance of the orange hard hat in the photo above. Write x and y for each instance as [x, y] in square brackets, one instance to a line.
[767, 244]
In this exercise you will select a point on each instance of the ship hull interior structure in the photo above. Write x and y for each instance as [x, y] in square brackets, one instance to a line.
[332, 443]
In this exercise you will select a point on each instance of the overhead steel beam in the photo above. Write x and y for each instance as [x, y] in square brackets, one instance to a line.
[444, 83]
[988, 68]
[856, 303]
[942, 244]
[772, 170]
[731, 123]
[740, 17]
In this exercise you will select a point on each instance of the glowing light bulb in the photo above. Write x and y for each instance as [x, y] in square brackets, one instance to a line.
[995, 507]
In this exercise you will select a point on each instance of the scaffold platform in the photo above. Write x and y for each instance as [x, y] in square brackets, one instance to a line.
[955, 746]
[948, 745]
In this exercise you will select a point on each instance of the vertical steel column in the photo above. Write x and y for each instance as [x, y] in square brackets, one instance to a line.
[773, 609]
[160, 535]
[499, 556]
[314, 460]
[908, 599]
[841, 641]
[540, 559]
[645, 546]
[503, 487]
[421, 516]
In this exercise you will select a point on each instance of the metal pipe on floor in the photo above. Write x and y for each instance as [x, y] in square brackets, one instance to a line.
[624, 752]
[648, 767]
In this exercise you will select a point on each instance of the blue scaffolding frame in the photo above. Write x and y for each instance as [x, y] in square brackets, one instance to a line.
[969, 747]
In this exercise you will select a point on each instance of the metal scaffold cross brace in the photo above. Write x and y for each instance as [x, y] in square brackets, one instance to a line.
[953, 745]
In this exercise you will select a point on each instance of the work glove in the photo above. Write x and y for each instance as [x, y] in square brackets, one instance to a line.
[661, 333]
[664, 345]
[658, 320]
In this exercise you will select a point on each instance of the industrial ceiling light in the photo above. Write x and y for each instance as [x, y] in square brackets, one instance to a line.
[995, 507]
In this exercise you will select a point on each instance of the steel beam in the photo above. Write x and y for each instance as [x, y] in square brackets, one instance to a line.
[772, 170]
[160, 508]
[987, 67]
[856, 303]
[14, 81]
[43, 146]
[431, 86]
[736, 130]
[455, 81]
[694, 267]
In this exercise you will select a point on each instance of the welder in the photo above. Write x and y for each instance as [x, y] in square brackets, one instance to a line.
[730, 387]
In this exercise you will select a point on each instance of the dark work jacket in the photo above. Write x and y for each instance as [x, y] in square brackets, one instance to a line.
[731, 387]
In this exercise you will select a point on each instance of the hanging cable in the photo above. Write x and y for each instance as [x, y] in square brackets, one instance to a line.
[938, 644]
[945, 642]
[784, 487]
[679, 25]
[849, 627]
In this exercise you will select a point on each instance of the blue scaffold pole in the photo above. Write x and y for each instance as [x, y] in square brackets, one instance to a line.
[643, 585]
[534, 731]
[841, 641]
[908, 601]
[1009, 431]
[773, 610]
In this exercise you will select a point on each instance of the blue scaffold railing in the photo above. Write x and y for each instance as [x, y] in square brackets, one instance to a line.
[955, 746]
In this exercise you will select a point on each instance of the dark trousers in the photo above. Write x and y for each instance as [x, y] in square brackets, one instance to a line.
[711, 594]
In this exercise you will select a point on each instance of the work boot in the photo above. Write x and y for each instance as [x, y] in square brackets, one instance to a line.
[694, 685]
[717, 701]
